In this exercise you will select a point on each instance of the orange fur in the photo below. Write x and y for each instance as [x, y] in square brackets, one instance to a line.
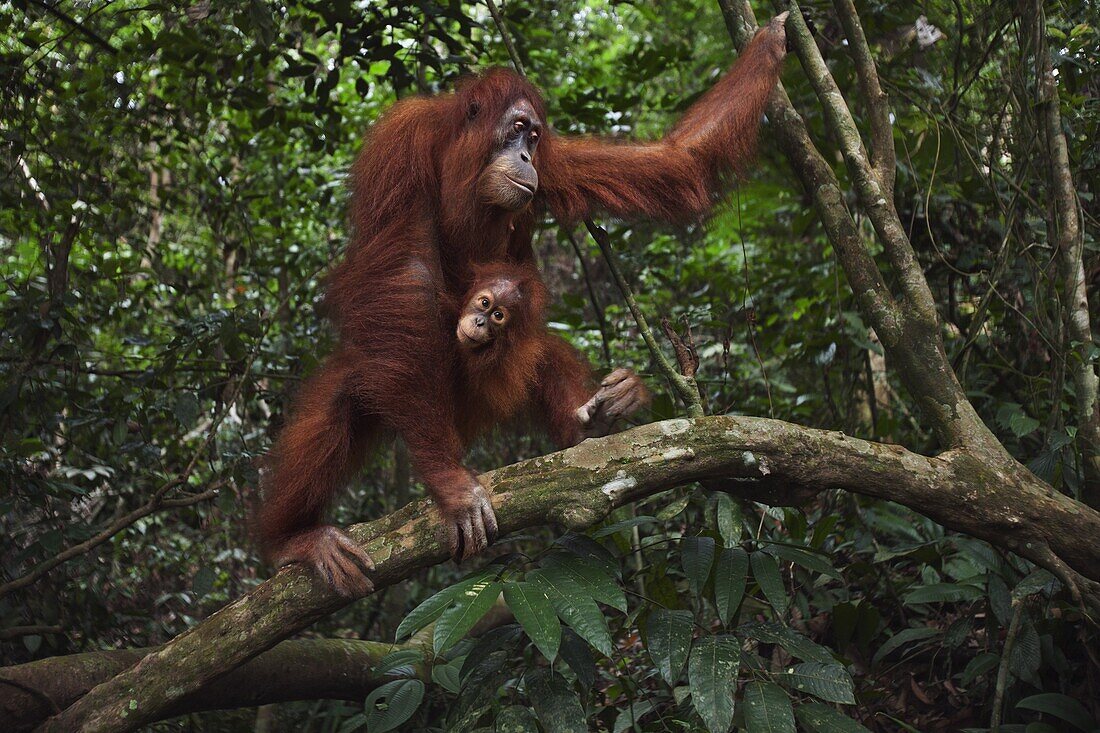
[419, 235]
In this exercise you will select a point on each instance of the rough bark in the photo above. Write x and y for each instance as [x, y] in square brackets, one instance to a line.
[1066, 236]
[338, 669]
[580, 486]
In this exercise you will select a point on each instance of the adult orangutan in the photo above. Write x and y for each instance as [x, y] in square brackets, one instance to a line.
[445, 184]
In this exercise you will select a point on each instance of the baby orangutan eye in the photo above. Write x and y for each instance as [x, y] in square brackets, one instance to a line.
[498, 316]
[484, 302]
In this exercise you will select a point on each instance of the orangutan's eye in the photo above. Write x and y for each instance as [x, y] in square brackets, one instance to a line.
[498, 316]
[519, 126]
[484, 302]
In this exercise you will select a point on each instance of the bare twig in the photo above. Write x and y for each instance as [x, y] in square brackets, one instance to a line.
[684, 386]
[1002, 668]
[505, 36]
[15, 632]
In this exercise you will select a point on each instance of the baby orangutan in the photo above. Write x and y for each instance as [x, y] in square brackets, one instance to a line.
[509, 364]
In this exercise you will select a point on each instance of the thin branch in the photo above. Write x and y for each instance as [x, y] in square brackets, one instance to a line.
[505, 36]
[1002, 668]
[684, 385]
[883, 155]
[76, 25]
[156, 503]
[593, 298]
[16, 632]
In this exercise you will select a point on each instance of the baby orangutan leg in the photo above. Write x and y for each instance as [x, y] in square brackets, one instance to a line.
[621, 394]
[334, 555]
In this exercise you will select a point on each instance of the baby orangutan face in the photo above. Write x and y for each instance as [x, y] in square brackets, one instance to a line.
[487, 313]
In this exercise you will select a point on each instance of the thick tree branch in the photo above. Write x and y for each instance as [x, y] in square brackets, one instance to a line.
[577, 488]
[314, 669]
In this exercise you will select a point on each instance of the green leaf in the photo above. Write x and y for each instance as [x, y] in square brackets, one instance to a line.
[576, 608]
[810, 560]
[674, 508]
[631, 715]
[942, 593]
[431, 609]
[1060, 706]
[712, 677]
[795, 643]
[730, 575]
[829, 682]
[620, 526]
[696, 557]
[591, 551]
[536, 615]
[589, 575]
[469, 606]
[555, 704]
[515, 719]
[766, 571]
[392, 704]
[819, 718]
[767, 709]
[447, 676]
[203, 581]
[668, 639]
[904, 636]
[402, 662]
[979, 665]
[730, 521]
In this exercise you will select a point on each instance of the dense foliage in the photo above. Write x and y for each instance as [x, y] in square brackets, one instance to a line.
[172, 194]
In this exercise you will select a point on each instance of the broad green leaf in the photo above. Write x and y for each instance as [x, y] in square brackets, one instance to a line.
[555, 703]
[447, 677]
[820, 718]
[767, 709]
[795, 643]
[620, 526]
[469, 606]
[766, 571]
[589, 576]
[942, 593]
[1060, 706]
[829, 682]
[905, 636]
[668, 639]
[730, 575]
[536, 615]
[808, 559]
[578, 655]
[402, 662]
[979, 665]
[576, 608]
[392, 704]
[729, 520]
[674, 508]
[696, 556]
[592, 551]
[1026, 654]
[431, 608]
[631, 715]
[712, 677]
